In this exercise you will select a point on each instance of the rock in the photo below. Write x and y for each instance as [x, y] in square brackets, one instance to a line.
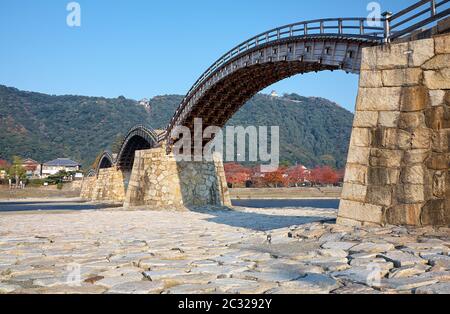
[275, 275]
[311, 284]
[333, 253]
[338, 245]
[353, 288]
[191, 289]
[371, 247]
[438, 288]
[408, 271]
[239, 286]
[401, 259]
[7, 288]
[439, 260]
[137, 287]
[408, 283]
[117, 280]
[155, 275]
[370, 275]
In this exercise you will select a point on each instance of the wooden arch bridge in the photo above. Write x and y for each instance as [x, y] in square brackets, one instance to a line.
[316, 45]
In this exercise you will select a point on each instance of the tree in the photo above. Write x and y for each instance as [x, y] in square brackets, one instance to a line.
[117, 144]
[276, 178]
[296, 175]
[236, 173]
[324, 175]
[17, 171]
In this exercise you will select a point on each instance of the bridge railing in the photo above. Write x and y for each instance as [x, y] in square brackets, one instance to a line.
[393, 26]
[420, 14]
[354, 27]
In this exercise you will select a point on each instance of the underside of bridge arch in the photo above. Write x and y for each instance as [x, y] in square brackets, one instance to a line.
[224, 99]
[105, 162]
[224, 91]
[131, 145]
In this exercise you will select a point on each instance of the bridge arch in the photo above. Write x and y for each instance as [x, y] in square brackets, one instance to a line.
[105, 161]
[138, 138]
[318, 45]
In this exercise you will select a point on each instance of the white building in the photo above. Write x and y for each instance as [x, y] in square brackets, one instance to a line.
[60, 164]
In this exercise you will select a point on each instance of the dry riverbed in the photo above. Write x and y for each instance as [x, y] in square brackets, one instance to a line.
[216, 251]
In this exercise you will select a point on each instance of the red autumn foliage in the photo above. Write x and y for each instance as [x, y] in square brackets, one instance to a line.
[296, 175]
[4, 164]
[276, 178]
[323, 175]
[236, 173]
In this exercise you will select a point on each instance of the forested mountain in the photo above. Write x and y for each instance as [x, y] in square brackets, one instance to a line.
[313, 131]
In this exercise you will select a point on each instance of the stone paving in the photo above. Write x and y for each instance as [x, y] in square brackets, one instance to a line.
[205, 251]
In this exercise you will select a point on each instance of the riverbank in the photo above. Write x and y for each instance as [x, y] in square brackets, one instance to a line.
[286, 193]
[38, 192]
[247, 250]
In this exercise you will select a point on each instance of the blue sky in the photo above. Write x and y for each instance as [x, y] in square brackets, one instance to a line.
[143, 48]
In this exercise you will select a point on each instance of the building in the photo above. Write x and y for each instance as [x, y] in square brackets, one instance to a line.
[32, 168]
[59, 164]
[3, 166]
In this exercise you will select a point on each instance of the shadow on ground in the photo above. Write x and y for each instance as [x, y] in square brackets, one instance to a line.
[261, 221]
[17, 206]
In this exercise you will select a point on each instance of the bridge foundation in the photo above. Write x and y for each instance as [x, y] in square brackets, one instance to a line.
[107, 185]
[158, 180]
[398, 164]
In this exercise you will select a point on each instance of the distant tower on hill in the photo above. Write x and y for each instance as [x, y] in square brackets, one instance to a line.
[274, 93]
[146, 104]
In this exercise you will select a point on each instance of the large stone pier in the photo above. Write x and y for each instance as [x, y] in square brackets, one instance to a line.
[159, 180]
[398, 162]
[108, 185]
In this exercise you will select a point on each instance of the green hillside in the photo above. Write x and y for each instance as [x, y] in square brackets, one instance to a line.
[312, 130]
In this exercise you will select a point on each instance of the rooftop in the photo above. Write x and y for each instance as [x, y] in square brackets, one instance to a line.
[62, 162]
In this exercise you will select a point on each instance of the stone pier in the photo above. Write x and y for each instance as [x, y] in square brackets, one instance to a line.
[398, 162]
[158, 180]
[107, 185]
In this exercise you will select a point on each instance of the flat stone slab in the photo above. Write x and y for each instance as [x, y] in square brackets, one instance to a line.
[370, 247]
[137, 287]
[438, 288]
[440, 260]
[401, 259]
[339, 245]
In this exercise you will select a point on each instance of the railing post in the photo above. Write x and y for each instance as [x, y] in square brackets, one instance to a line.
[361, 27]
[433, 7]
[305, 28]
[340, 26]
[387, 26]
[321, 27]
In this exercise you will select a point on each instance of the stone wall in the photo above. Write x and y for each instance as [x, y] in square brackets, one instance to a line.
[107, 186]
[398, 162]
[158, 180]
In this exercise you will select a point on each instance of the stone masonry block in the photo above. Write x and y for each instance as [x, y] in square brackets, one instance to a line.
[360, 211]
[402, 77]
[378, 99]
[422, 50]
[439, 79]
[354, 192]
[365, 119]
[368, 78]
[388, 119]
[355, 173]
[414, 98]
[442, 44]
[385, 158]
